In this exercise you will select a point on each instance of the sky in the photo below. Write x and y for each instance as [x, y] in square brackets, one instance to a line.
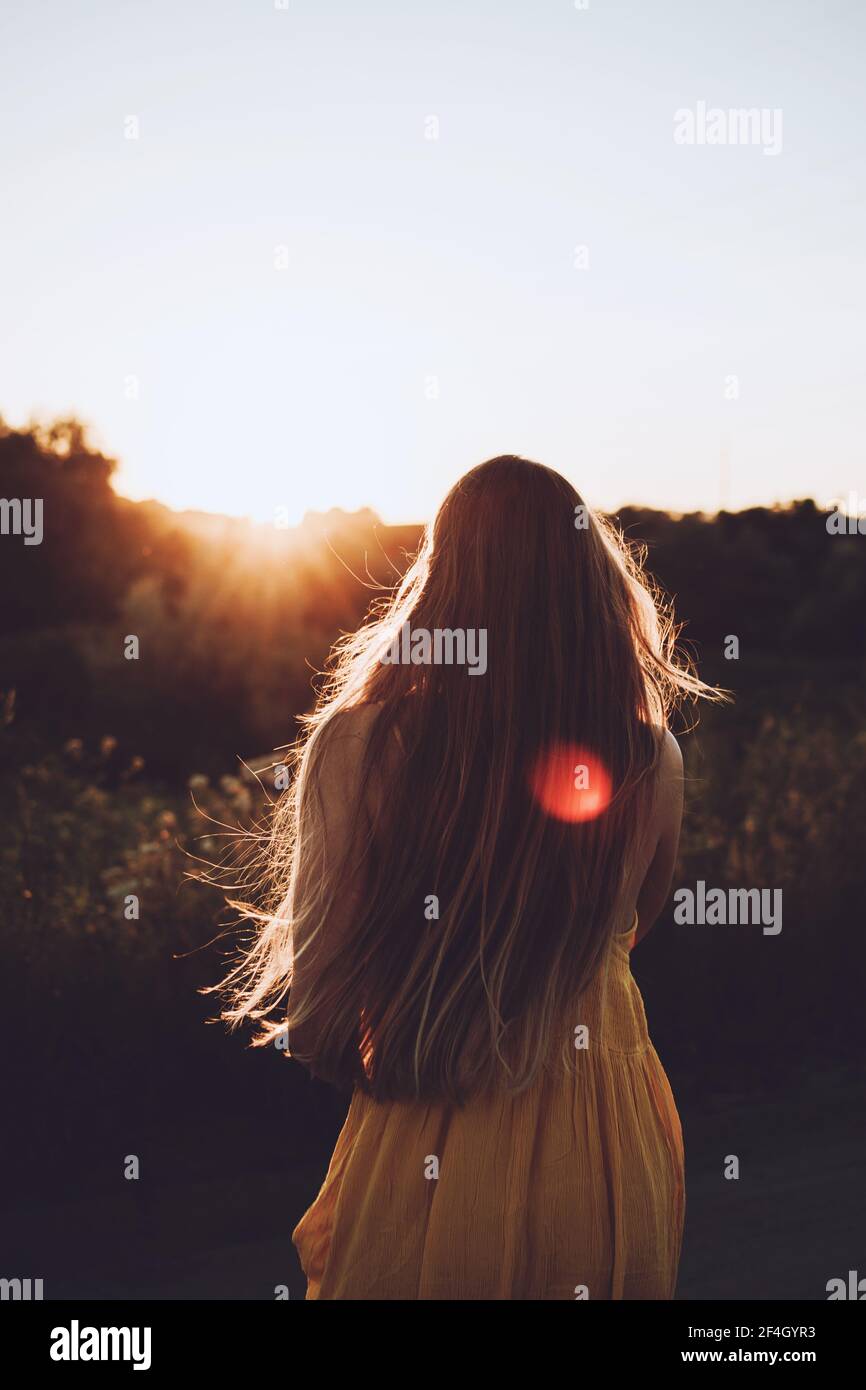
[289, 258]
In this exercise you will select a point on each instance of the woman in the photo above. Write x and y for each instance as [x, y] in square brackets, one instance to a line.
[469, 851]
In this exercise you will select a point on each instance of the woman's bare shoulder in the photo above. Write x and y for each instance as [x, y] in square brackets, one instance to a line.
[355, 722]
[345, 740]
[667, 787]
[670, 756]
[669, 769]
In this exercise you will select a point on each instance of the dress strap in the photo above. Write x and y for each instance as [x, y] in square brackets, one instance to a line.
[629, 931]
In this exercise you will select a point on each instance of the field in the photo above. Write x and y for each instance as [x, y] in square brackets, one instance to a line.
[117, 775]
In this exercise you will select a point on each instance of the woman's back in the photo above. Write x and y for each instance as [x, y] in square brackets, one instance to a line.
[570, 1188]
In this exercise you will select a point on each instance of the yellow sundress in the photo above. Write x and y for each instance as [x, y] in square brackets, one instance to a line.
[572, 1189]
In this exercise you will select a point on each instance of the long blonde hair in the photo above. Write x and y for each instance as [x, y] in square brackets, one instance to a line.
[582, 652]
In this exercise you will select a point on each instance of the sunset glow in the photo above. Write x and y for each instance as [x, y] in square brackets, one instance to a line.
[338, 270]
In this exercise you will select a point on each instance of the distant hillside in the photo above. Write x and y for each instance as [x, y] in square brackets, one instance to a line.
[234, 618]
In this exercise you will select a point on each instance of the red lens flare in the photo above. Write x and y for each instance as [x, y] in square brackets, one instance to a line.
[570, 783]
